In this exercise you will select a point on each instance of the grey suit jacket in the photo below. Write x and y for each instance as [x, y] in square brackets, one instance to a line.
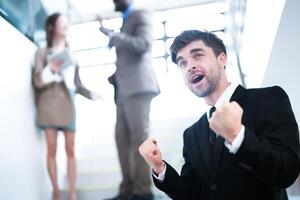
[134, 73]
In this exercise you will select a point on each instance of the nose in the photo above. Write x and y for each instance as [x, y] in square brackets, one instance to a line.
[191, 64]
[191, 68]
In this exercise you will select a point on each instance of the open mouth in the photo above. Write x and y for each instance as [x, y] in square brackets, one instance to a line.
[197, 79]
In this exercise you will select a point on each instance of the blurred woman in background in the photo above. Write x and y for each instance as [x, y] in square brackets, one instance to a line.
[56, 80]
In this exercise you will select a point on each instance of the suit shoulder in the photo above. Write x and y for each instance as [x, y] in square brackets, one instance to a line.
[140, 13]
[274, 91]
[194, 126]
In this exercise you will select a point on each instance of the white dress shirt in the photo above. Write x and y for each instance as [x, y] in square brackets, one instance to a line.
[235, 145]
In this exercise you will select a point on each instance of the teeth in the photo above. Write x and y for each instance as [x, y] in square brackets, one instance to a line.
[197, 78]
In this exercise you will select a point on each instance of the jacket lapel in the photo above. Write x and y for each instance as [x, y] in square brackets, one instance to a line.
[217, 156]
[238, 93]
[213, 162]
[127, 23]
[236, 96]
[202, 137]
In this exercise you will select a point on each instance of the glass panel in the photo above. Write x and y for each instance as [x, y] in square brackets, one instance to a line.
[169, 43]
[95, 57]
[16, 12]
[159, 48]
[95, 78]
[160, 66]
[90, 113]
[171, 66]
[210, 23]
[87, 36]
[114, 23]
[26, 16]
[201, 9]
[158, 30]
[86, 39]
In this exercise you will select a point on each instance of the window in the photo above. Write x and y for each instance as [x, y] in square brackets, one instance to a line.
[175, 100]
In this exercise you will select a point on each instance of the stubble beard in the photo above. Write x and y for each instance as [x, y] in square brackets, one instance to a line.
[212, 82]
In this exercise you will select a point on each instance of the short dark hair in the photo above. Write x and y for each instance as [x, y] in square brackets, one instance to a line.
[188, 36]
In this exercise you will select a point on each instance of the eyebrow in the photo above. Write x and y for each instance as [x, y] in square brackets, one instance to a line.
[191, 52]
[196, 50]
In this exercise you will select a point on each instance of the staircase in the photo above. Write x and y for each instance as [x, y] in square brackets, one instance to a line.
[98, 167]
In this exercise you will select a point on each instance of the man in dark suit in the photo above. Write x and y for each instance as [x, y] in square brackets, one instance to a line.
[248, 149]
[135, 86]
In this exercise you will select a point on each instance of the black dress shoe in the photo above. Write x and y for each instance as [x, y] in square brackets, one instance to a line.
[119, 197]
[149, 196]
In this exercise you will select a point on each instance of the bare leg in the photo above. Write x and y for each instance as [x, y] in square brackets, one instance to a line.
[51, 139]
[70, 150]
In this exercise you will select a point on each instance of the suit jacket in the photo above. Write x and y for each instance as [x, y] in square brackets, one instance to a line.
[54, 106]
[266, 163]
[134, 73]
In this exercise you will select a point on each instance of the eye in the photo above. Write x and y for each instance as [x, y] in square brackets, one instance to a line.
[197, 56]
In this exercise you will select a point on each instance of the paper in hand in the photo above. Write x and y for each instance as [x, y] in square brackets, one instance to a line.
[64, 56]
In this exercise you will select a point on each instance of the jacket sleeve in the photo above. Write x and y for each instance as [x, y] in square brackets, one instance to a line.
[141, 39]
[80, 88]
[271, 151]
[180, 187]
[39, 65]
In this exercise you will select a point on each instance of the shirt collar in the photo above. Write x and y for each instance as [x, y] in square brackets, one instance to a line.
[225, 97]
[127, 13]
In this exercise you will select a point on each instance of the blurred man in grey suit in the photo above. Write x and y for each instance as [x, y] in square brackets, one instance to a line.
[135, 86]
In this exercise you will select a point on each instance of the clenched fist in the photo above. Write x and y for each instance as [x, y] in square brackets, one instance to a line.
[151, 153]
[227, 120]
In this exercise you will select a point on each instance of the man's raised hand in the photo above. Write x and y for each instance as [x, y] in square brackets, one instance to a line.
[151, 153]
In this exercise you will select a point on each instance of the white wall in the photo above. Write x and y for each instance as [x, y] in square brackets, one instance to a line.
[284, 63]
[22, 171]
[260, 26]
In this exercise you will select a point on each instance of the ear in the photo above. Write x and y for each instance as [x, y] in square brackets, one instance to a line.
[222, 59]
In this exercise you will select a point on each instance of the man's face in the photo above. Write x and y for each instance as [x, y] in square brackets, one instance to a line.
[200, 68]
[120, 5]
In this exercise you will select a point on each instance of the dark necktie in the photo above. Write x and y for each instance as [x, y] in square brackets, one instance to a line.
[212, 134]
